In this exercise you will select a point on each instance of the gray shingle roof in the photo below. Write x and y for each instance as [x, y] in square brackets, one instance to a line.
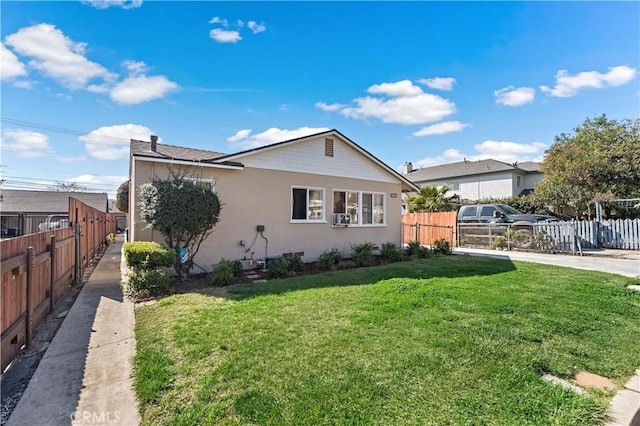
[143, 149]
[467, 168]
[48, 202]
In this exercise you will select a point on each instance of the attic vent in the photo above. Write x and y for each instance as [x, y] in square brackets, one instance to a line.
[328, 147]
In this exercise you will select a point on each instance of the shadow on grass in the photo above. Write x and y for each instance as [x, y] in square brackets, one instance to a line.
[434, 267]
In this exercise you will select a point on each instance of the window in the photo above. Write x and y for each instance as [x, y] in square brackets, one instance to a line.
[207, 183]
[307, 204]
[363, 208]
[517, 180]
[488, 211]
[454, 185]
[468, 211]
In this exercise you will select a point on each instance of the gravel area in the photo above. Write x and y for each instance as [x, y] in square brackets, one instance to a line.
[15, 378]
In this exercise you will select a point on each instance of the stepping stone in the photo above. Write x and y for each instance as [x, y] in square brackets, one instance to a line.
[252, 276]
[589, 380]
[561, 382]
[260, 281]
[634, 287]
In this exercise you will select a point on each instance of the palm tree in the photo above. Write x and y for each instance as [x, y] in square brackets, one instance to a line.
[431, 199]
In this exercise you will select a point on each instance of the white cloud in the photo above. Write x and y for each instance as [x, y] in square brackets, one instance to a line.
[439, 83]
[25, 143]
[98, 88]
[405, 103]
[510, 96]
[399, 88]
[224, 36]
[23, 84]
[240, 23]
[441, 128]
[244, 140]
[142, 88]
[419, 109]
[104, 4]
[569, 85]
[90, 180]
[71, 159]
[135, 67]
[255, 27]
[508, 152]
[329, 107]
[10, 65]
[57, 56]
[218, 20]
[112, 142]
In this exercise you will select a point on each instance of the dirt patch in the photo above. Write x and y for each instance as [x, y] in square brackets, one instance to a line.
[590, 380]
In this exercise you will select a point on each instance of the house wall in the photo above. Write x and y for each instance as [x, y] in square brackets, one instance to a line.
[532, 179]
[477, 187]
[253, 196]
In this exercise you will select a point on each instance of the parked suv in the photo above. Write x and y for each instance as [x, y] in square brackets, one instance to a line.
[502, 213]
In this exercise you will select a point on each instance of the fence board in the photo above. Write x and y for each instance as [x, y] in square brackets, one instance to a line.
[429, 227]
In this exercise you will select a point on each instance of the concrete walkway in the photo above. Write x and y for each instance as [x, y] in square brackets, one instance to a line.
[623, 262]
[84, 377]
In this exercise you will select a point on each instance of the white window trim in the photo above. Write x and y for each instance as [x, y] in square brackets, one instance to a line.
[200, 180]
[360, 217]
[324, 204]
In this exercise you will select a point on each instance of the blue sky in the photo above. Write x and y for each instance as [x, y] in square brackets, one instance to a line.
[424, 82]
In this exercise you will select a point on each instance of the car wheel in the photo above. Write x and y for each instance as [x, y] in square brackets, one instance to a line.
[524, 238]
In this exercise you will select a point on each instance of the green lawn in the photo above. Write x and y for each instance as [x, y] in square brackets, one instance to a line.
[443, 341]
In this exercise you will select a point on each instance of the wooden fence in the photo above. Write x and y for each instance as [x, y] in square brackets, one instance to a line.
[38, 269]
[427, 228]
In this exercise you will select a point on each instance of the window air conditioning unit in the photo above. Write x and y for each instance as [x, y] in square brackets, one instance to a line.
[341, 219]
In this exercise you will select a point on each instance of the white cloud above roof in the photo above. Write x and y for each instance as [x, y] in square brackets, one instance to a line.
[225, 36]
[441, 128]
[10, 65]
[105, 4]
[141, 88]
[112, 142]
[568, 85]
[511, 96]
[505, 151]
[255, 27]
[439, 83]
[399, 102]
[57, 56]
[243, 139]
[25, 143]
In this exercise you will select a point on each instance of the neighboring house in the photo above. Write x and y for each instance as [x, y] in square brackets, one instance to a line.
[28, 212]
[308, 195]
[476, 180]
[121, 217]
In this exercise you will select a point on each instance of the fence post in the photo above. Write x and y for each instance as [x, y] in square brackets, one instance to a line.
[418, 233]
[52, 258]
[29, 301]
[78, 254]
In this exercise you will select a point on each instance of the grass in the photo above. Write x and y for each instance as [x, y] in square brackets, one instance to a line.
[443, 341]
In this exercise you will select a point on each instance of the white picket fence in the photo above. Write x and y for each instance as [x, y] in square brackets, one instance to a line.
[573, 236]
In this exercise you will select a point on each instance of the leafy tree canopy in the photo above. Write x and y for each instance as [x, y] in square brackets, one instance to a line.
[600, 160]
[122, 197]
[431, 199]
[183, 211]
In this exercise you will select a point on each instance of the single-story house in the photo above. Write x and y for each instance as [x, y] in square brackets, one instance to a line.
[27, 212]
[304, 196]
[476, 180]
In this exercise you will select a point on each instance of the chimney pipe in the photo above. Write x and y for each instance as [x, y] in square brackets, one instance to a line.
[154, 143]
[407, 168]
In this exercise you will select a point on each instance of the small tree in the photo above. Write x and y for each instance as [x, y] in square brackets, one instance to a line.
[184, 212]
[61, 186]
[431, 199]
[122, 197]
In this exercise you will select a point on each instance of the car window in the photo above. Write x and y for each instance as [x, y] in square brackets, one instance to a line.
[508, 210]
[468, 211]
[488, 211]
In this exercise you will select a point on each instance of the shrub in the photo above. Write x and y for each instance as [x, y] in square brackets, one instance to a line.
[391, 252]
[362, 254]
[225, 272]
[346, 264]
[145, 283]
[328, 259]
[278, 268]
[499, 242]
[295, 263]
[416, 250]
[442, 246]
[145, 255]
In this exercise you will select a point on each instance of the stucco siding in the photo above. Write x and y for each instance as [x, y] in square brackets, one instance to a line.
[254, 196]
[491, 185]
[309, 157]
